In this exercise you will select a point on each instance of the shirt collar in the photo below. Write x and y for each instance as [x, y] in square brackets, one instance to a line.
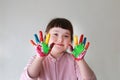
[51, 58]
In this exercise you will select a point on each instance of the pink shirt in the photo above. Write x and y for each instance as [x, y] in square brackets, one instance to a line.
[62, 68]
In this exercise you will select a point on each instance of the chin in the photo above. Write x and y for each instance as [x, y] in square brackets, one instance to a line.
[57, 50]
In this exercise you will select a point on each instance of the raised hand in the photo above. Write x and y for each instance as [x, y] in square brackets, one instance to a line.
[41, 45]
[80, 47]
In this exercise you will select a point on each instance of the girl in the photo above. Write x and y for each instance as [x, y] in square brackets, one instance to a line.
[52, 61]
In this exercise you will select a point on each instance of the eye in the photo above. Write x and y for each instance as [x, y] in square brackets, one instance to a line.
[66, 36]
[55, 34]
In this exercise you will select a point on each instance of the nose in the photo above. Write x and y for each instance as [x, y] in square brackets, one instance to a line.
[60, 39]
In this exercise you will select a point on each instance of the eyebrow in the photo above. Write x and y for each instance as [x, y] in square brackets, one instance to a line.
[67, 33]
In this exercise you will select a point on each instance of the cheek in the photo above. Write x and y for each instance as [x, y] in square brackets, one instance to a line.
[67, 43]
[52, 40]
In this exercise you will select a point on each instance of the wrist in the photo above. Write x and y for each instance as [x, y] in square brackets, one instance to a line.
[80, 62]
[39, 58]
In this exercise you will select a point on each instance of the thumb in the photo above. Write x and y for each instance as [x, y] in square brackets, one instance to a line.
[38, 49]
[70, 47]
[51, 46]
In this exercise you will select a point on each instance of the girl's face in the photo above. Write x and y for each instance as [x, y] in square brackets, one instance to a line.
[61, 38]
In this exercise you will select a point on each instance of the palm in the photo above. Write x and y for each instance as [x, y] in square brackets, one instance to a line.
[78, 50]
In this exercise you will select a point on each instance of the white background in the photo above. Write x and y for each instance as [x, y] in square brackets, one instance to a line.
[99, 20]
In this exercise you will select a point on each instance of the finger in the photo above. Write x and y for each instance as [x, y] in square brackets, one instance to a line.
[70, 47]
[84, 41]
[36, 38]
[47, 38]
[75, 40]
[41, 36]
[87, 45]
[32, 42]
[38, 48]
[81, 39]
[51, 46]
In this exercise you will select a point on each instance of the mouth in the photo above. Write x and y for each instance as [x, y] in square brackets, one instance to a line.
[60, 44]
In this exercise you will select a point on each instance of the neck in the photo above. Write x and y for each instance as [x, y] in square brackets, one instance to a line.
[56, 55]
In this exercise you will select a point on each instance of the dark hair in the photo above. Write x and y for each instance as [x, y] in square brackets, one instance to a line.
[62, 23]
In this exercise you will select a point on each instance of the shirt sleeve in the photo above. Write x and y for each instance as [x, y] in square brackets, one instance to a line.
[77, 72]
[93, 77]
[25, 75]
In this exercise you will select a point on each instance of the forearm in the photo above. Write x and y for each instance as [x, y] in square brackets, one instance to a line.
[85, 70]
[35, 68]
